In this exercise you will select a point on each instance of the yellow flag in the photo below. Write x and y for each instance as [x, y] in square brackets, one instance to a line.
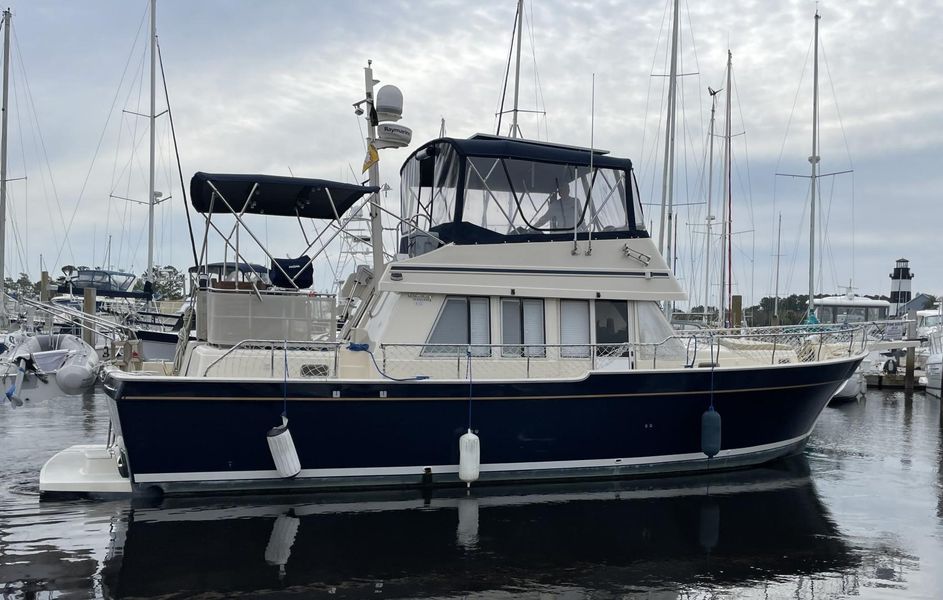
[372, 158]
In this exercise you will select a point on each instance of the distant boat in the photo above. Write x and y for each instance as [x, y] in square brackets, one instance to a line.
[46, 366]
[934, 365]
[850, 309]
[855, 385]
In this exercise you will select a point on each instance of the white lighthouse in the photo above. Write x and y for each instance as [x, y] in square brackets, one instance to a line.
[900, 285]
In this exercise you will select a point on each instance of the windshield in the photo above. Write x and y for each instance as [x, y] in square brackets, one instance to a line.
[841, 314]
[104, 280]
[513, 196]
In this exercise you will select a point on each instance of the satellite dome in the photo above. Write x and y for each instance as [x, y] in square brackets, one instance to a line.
[389, 103]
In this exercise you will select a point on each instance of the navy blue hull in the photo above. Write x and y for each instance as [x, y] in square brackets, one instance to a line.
[611, 422]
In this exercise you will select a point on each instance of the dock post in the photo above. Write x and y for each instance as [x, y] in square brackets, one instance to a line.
[736, 311]
[44, 286]
[911, 357]
[44, 298]
[88, 307]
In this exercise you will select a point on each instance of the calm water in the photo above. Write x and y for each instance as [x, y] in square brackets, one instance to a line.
[858, 516]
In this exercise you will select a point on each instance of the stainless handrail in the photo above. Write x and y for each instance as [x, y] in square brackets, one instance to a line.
[779, 341]
[270, 344]
[79, 318]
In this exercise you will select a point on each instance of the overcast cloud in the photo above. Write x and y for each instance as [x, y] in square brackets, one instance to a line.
[267, 87]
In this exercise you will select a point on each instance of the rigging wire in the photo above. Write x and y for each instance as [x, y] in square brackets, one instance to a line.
[39, 133]
[540, 105]
[646, 160]
[851, 164]
[748, 189]
[795, 249]
[173, 134]
[21, 246]
[507, 74]
[136, 140]
[779, 160]
[101, 138]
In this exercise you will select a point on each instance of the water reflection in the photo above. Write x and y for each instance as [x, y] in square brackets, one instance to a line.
[877, 466]
[667, 534]
[89, 413]
[939, 457]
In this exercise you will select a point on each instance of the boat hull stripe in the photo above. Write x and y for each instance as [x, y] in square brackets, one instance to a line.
[451, 469]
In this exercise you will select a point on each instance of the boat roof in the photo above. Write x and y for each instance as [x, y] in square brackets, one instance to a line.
[846, 300]
[274, 195]
[243, 267]
[528, 150]
[106, 271]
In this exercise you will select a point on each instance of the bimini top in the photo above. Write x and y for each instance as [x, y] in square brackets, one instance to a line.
[274, 195]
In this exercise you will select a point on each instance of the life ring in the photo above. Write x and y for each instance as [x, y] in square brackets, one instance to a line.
[890, 366]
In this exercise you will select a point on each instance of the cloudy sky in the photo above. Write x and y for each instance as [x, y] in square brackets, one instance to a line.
[267, 87]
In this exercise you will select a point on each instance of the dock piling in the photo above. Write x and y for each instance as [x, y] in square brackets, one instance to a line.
[88, 307]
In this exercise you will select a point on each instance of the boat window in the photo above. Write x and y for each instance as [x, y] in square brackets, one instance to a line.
[574, 328]
[123, 281]
[462, 322]
[612, 322]
[653, 328]
[522, 327]
[429, 188]
[877, 313]
[511, 197]
[850, 314]
[825, 314]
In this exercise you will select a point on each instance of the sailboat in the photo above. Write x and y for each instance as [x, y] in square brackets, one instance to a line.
[855, 385]
[34, 366]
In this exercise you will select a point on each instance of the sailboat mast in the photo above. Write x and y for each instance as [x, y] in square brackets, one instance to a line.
[710, 190]
[151, 117]
[729, 192]
[779, 239]
[7, 19]
[515, 128]
[725, 221]
[814, 159]
[667, 178]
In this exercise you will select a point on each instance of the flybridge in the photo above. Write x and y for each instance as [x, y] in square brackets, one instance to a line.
[110, 284]
[492, 189]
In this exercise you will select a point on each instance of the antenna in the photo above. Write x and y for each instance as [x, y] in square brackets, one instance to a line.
[592, 174]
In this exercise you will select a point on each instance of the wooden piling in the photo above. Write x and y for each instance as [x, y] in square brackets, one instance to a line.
[44, 296]
[88, 307]
[44, 287]
[911, 357]
[736, 311]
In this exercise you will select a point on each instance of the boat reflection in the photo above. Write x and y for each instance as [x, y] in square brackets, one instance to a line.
[715, 530]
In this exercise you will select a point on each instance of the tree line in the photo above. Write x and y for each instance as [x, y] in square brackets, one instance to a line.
[168, 284]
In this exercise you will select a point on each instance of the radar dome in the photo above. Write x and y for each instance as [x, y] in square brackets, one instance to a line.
[389, 103]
